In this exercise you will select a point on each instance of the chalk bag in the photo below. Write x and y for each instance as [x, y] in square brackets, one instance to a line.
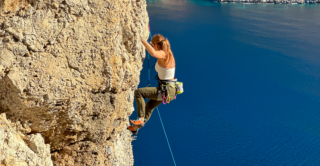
[179, 87]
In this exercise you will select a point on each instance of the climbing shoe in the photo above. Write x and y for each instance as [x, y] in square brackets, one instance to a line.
[137, 122]
[134, 132]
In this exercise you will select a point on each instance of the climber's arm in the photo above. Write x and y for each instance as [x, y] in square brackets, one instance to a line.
[157, 54]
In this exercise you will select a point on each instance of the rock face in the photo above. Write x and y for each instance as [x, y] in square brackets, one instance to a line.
[16, 149]
[68, 70]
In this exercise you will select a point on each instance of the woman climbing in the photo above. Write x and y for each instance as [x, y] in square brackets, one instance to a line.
[159, 48]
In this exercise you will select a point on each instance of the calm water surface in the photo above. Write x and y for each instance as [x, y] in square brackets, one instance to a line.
[251, 75]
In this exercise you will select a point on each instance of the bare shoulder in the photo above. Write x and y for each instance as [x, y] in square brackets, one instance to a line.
[163, 53]
[160, 54]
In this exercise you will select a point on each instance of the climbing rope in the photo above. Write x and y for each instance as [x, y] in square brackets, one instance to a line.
[166, 138]
[158, 109]
[149, 63]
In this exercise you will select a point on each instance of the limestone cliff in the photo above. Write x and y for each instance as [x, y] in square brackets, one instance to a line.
[17, 149]
[68, 70]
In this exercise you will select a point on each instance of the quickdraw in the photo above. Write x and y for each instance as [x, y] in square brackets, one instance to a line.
[164, 101]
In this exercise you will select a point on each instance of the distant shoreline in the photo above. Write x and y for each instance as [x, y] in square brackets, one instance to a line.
[271, 1]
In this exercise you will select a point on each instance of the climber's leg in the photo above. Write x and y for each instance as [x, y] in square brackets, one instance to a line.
[151, 105]
[140, 95]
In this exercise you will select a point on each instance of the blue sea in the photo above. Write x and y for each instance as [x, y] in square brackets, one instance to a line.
[251, 75]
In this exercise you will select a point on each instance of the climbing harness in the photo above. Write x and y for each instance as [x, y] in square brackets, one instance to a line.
[163, 89]
[157, 107]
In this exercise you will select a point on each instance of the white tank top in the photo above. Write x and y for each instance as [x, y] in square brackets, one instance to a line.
[165, 74]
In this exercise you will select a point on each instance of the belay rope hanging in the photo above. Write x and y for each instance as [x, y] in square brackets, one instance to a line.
[157, 107]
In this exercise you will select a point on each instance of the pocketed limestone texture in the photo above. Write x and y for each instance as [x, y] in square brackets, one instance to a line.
[68, 70]
[17, 149]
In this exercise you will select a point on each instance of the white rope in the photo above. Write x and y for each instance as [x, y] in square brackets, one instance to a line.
[166, 137]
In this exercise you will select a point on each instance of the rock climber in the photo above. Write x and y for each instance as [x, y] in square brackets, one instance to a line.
[159, 48]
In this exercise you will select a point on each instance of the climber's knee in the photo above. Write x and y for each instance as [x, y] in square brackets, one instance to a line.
[137, 93]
